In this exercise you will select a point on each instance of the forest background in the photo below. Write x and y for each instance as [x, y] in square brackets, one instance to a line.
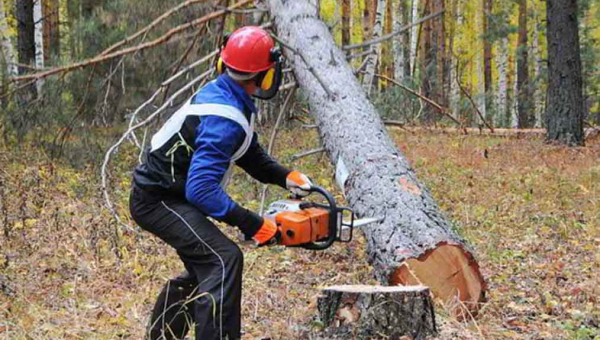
[483, 62]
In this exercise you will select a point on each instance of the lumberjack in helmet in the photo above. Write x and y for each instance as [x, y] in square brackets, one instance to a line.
[250, 53]
[182, 182]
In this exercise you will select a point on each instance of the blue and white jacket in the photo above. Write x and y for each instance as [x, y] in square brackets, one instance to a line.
[192, 154]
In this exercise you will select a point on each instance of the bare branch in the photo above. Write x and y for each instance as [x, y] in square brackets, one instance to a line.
[462, 89]
[271, 146]
[104, 173]
[437, 106]
[151, 26]
[310, 68]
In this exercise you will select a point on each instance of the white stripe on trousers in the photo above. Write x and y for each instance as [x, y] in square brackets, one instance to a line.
[220, 259]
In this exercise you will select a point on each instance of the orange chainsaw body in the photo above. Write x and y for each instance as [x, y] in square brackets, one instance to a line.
[302, 226]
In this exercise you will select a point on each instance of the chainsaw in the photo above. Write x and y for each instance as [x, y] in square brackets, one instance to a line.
[311, 225]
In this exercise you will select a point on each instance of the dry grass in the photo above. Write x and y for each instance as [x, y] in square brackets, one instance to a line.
[531, 211]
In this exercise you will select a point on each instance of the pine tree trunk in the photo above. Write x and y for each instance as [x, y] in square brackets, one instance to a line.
[524, 112]
[25, 27]
[565, 109]
[373, 312]
[432, 54]
[51, 14]
[415, 243]
[38, 35]
[26, 41]
[7, 48]
[346, 15]
[372, 57]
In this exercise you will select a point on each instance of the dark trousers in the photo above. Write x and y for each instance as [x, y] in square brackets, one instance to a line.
[209, 294]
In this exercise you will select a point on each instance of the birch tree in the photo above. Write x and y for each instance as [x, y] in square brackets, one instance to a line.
[414, 34]
[502, 93]
[7, 47]
[400, 43]
[375, 50]
[38, 21]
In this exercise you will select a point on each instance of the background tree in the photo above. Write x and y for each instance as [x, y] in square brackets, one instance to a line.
[565, 109]
[524, 113]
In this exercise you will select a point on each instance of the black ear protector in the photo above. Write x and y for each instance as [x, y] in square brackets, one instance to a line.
[268, 81]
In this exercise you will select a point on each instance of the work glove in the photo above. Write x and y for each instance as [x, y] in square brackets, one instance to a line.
[298, 183]
[266, 234]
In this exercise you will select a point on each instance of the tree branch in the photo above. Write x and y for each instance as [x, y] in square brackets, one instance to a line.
[310, 68]
[151, 26]
[140, 47]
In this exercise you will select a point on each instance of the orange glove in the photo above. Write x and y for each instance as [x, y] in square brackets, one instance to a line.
[266, 233]
[298, 183]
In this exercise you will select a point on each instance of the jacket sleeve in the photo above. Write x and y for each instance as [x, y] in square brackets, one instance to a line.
[261, 166]
[217, 139]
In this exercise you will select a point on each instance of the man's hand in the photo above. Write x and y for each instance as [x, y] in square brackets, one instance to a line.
[298, 183]
[266, 233]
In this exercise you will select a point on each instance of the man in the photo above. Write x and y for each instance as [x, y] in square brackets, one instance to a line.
[182, 183]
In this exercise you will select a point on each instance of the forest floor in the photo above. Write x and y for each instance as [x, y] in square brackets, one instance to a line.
[530, 210]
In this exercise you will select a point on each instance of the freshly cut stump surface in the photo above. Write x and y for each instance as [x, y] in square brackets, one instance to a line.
[376, 312]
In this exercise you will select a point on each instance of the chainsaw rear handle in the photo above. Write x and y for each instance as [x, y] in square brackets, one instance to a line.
[333, 223]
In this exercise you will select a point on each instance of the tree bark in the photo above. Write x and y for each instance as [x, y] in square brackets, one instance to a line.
[400, 43]
[38, 35]
[7, 47]
[367, 312]
[25, 27]
[346, 15]
[487, 61]
[414, 35]
[415, 243]
[524, 114]
[565, 109]
[502, 94]
[51, 29]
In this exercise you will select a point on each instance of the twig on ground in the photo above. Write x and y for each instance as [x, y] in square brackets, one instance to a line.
[270, 151]
[310, 68]
[464, 91]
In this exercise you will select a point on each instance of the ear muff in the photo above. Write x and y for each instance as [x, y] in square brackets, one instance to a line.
[267, 81]
[220, 66]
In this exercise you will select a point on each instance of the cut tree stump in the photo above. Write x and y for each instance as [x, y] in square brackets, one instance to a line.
[414, 244]
[368, 312]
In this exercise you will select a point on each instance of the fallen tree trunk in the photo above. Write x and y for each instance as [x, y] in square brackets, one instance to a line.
[365, 312]
[414, 244]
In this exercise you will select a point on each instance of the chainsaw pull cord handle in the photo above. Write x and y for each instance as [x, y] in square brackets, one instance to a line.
[333, 216]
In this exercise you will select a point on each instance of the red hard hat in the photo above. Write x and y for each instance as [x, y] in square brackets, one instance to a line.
[249, 50]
